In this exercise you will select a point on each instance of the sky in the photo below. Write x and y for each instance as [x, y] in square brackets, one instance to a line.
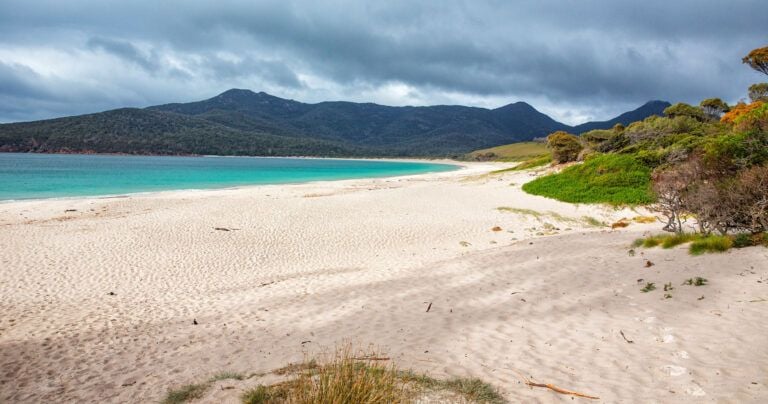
[576, 60]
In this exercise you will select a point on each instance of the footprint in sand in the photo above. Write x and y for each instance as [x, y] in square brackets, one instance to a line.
[674, 370]
[695, 391]
[681, 355]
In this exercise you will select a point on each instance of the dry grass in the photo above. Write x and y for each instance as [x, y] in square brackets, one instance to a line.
[584, 220]
[346, 378]
[512, 152]
[644, 219]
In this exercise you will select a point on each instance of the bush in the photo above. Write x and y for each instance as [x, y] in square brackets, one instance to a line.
[758, 92]
[565, 147]
[738, 110]
[742, 240]
[683, 109]
[610, 178]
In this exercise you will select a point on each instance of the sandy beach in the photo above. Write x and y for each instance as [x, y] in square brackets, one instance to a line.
[100, 295]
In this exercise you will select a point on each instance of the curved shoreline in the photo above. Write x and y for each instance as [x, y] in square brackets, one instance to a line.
[441, 162]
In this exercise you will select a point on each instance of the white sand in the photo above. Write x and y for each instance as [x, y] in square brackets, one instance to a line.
[313, 265]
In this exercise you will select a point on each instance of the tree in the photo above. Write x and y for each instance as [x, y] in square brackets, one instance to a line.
[758, 59]
[683, 109]
[670, 186]
[565, 146]
[714, 107]
[758, 92]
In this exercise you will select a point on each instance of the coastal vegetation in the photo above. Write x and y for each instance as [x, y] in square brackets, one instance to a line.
[348, 377]
[610, 178]
[511, 152]
[703, 243]
[706, 163]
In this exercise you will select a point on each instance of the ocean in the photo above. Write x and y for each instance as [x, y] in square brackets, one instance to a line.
[36, 176]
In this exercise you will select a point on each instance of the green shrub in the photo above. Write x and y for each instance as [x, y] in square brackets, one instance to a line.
[710, 244]
[616, 179]
[565, 147]
[742, 240]
[682, 109]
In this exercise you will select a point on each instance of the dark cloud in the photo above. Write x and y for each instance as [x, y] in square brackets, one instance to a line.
[575, 59]
[126, 51]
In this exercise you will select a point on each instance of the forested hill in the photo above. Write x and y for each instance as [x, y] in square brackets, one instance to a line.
[242, 122]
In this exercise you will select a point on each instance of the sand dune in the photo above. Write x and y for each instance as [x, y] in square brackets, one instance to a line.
[99, 295]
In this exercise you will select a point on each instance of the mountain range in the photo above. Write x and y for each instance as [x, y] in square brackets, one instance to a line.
[242, 122]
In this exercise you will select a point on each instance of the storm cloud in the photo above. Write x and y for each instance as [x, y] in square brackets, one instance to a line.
[576, 60]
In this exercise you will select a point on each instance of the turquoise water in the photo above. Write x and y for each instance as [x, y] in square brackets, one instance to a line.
[33, 176]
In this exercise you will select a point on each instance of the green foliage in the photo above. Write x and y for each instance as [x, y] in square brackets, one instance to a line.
[564, 146]
[474, 390]
[755, 120]
[596, 137]
[675, 240]
[610, 178]
[714, 107]
[758, 92]
[734, 151]
[742, 240]
[682, 109]
[701, 243]
[710, 244]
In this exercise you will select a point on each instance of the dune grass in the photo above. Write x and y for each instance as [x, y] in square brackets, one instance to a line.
[535, 162]
[710, 244]
[347, 378]
[584, 220]
[703, 243]
[186, 393]
[511, 152]
[615, 179]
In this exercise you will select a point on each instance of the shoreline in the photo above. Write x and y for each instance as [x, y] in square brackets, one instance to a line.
[454, 163]
[123, 299]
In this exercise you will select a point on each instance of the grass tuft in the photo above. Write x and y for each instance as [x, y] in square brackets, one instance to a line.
[648, 287]
[226, 376]
[710, 244]
[264, 394]
[474, 389]
[520, 211]
[346, 378]
[697, 281]
[185, 393]
[677, 239]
